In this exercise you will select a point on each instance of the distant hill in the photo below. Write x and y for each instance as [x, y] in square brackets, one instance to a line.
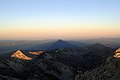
[110, 42]
[7, 46]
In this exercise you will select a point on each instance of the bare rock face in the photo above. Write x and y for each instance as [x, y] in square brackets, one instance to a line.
[19, 54]
[37, 53]
[118, 50]
[117, 53]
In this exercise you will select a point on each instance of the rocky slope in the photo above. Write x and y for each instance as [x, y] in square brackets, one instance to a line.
[58, 64]
[36, 69]
[82, 58]
[109, 71]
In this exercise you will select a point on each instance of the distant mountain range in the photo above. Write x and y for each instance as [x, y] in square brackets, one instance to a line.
[9, 46]
[35, 46]
[62, 60]
[110, 42]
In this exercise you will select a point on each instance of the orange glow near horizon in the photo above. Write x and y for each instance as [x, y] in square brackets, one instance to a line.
[58, 32]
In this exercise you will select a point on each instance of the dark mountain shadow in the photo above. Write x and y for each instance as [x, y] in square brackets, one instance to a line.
[53, 45]
[61, 44]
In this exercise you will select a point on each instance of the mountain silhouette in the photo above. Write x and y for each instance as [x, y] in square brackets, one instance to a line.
[61, 44]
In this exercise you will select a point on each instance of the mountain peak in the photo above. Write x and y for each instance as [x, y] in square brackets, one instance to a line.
[20, 55]
[98, 45]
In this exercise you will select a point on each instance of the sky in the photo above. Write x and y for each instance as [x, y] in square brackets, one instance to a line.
[59, 19]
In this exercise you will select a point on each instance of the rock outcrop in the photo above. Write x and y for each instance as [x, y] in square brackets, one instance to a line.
[20, 55]
[117, 53]
[37, 53]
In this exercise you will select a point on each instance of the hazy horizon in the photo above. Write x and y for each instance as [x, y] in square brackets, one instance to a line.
[59, 19]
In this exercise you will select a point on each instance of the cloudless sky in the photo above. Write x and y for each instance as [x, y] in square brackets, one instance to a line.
[65, 19]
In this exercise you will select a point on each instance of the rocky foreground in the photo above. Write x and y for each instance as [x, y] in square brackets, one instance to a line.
[95, 62]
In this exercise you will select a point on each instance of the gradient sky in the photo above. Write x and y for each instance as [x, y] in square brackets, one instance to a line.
[65, 19]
